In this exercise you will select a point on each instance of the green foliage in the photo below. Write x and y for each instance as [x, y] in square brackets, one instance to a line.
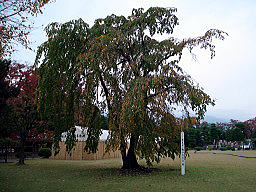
[215, 133]
[198, 148]
[204, 134]
[193, 137]
[104, 122]
[223, 148]
[210, 134]
[45, 152]
[60, 78]
[228, 147]
[119, 67]
[236, 133]
[7, 91]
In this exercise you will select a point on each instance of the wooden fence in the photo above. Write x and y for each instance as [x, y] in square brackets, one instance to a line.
[78, 153]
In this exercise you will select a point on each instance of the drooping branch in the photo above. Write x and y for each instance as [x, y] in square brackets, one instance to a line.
[105, 90]
[15, 13]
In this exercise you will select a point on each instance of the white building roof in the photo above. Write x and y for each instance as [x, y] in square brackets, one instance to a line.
[81, 134]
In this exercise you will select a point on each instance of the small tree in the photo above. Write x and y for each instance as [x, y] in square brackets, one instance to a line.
[23, 115]
[117, 66]
[45, 152]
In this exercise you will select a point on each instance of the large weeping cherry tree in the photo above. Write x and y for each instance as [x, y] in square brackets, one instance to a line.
[119, 67]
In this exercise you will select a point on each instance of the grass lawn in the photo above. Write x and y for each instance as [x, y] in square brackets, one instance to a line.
[205, 171]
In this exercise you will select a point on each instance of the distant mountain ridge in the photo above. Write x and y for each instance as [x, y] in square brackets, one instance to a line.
[213, 119]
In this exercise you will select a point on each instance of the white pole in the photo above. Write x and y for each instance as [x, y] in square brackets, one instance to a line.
[182, 153]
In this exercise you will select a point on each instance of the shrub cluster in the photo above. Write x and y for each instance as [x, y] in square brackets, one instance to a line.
[198, 148]
[223, 148]
[45, 152]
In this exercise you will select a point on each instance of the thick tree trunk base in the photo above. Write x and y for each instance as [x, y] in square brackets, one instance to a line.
[20, 163]
[6, 158]
[130, 162]
[132, 167]
[21, 154]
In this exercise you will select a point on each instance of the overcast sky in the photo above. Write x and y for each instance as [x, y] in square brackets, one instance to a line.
[229, 78]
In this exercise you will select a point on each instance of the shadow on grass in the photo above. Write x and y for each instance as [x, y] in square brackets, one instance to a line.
[136, 172]
[242, 156]
[108, 172]
[8, 162]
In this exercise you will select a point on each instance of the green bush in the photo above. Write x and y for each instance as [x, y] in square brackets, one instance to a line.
[228, 147]
[223, 148]
[210, 148]
[45, 152]
[198, 148]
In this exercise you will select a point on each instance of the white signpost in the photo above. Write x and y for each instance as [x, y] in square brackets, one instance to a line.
[182, 153]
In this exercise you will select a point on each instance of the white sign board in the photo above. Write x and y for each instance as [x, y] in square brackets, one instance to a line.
[182, 153]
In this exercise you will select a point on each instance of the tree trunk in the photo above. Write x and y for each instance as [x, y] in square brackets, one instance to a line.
[22, 151]
[6, 155]
[129, 160]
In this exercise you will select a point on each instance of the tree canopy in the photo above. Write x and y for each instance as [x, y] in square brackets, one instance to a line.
[119, 67]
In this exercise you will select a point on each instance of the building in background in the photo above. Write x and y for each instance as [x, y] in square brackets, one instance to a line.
[78, 152]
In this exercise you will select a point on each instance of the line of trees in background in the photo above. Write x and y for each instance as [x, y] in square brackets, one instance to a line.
[221, 134]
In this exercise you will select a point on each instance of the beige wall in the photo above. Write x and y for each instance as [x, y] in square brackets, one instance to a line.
[78, 153]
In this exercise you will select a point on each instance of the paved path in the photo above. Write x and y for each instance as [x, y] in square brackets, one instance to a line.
[236, 155]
